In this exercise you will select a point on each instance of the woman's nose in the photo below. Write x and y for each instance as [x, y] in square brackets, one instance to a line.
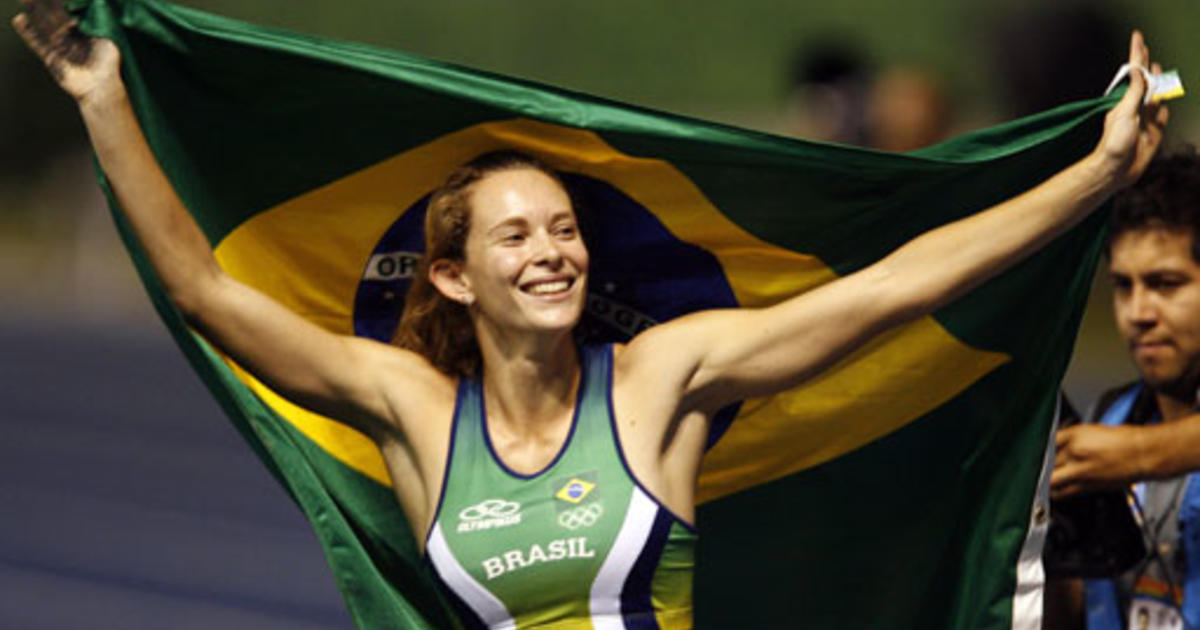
[546, 249]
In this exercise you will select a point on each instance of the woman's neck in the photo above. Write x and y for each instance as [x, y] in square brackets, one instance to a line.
[530, 383]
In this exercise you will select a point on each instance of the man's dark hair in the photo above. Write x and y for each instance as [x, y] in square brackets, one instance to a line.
[827, 62]
[1167, 196]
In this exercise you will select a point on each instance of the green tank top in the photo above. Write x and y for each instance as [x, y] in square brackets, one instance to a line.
[579, 544]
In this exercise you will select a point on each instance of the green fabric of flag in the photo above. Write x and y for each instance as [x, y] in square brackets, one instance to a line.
[896, 491]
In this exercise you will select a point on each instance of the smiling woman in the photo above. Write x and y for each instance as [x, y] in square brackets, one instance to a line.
[551, 483]
[436, 325]
[526, 261]
[526, 245]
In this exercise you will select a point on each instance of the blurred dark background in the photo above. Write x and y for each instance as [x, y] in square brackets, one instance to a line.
[129, 502]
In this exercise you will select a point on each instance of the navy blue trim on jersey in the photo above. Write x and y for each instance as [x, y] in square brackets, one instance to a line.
[637, 607]
[469, 619]
[437, 511]
[612, 422]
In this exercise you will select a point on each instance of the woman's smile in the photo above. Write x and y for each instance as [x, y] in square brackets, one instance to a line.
[551, 287]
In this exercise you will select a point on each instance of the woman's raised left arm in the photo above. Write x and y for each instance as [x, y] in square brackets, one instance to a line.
[731, 355]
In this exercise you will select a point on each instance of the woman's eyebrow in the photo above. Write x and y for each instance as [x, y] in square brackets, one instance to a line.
[507, 223]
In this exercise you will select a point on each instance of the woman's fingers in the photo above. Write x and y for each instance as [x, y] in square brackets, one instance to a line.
[1154, 118]
[1139, 57]
[32, 37]
[20, 23]
[33, 27]
[1139, 52]
[52, 34]
[42, 19]
[1162, 116]
[59, 30]
[1136, 92]
[39, 44]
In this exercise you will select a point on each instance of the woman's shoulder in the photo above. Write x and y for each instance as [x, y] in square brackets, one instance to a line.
[655, 349]
[413, 386]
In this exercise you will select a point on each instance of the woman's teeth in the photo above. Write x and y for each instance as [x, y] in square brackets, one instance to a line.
[548, 287]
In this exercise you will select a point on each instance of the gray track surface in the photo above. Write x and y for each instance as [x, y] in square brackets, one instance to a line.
[128, 501]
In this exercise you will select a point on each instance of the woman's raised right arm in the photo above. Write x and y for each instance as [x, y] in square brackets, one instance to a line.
[339, 376]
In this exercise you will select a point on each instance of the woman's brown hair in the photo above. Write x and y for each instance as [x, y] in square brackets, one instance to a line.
[433, 325]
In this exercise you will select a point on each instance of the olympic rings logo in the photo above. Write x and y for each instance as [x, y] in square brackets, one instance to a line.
[584, 516]
[491, 508]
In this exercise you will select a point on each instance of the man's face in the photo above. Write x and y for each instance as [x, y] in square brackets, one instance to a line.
[1156, 300]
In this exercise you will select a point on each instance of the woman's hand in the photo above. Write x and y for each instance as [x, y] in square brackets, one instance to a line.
[1132, 131]
[88, 69]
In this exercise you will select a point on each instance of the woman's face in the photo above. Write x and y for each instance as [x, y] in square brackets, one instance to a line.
[526, 264]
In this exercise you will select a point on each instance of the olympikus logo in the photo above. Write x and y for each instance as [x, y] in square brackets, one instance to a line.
[489, 514]
[554, 551]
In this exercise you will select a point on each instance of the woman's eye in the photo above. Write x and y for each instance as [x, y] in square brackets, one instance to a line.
[566, 231]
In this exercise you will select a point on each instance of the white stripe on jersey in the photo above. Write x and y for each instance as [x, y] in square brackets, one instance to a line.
[490, 609]
[606, 590]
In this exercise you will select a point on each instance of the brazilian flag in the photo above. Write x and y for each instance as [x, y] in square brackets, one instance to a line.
[898, 490]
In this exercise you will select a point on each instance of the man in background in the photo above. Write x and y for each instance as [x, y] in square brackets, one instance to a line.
[835, 95]
[827, 90]
[1146, 434]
